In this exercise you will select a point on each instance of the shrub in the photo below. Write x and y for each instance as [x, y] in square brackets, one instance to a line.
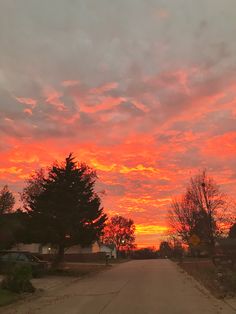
[230, 281]
[18, 279]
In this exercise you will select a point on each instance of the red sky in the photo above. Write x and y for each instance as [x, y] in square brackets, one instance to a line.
[145, 93]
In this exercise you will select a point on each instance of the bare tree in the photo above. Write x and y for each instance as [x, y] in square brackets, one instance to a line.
[199, 210]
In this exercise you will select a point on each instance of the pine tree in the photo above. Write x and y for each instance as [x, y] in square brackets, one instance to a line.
[7, 200]
[7, 223]
[63, 206]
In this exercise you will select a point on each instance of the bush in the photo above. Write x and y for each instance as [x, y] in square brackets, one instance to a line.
[18, 279]
[229, 281]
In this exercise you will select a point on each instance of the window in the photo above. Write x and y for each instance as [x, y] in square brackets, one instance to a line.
[13, 256]
[22, 258]
[5, 257]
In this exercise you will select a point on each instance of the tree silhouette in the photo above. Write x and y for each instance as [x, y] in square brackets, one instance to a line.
[232, 231]
[144, 253]
[63, 206]
[199, 211]
[8, 223]
[7, 200]
[165, 249]
[119, 231]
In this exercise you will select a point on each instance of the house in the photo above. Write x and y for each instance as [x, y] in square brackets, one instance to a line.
[110, 250]
[35, 248]
[96, 247]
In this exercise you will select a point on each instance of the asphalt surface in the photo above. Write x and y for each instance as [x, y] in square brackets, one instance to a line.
[136, 287]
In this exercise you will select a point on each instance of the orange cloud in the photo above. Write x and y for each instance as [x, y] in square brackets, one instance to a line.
[124, 169]
[138, 168]
[23, 157]
[11, 170]
[151, 229]
[224, 146]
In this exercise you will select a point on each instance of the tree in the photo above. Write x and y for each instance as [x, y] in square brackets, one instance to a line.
[8, 223]
[177, 248]
[7, 200]
[63, 207]
[232, 231]
[145, 253]
[119, 231]
[165, 249]
[33, 188]
[199, 211]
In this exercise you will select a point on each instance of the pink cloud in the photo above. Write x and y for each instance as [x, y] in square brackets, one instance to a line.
[104, 88]
[27, 101]
[53, 98]
[28, 111]
[70, 83]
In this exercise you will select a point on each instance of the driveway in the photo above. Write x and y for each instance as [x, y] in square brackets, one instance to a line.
[136, 287]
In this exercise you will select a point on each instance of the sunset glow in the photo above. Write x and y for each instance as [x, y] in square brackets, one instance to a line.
[143, 93]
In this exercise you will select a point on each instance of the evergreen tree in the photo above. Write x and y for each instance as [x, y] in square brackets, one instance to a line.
[63, 206]
[7, 200]
[7, 224]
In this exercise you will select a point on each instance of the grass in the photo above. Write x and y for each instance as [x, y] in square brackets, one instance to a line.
[77, 270]
[84, 268]
[204, 271]
[7, 297]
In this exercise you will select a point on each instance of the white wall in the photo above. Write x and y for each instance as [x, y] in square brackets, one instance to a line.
[33, 248]
[75, 249]
[106, 249]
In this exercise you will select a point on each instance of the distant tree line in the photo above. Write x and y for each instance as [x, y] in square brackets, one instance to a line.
[145, 253]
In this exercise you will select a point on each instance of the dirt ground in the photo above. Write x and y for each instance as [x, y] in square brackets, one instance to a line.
[220, 281]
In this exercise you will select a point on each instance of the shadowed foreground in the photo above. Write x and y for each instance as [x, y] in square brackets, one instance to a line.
[136, 287]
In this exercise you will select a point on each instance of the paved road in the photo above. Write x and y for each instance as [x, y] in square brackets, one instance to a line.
[137, 287]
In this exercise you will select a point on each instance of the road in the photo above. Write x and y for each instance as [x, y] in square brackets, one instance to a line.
[136, 287]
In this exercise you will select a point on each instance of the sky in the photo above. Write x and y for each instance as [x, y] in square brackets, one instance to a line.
[143, 91]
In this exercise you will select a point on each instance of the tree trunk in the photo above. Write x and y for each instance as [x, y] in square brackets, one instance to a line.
[59, 256]
[210, 223]
[118, 252]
